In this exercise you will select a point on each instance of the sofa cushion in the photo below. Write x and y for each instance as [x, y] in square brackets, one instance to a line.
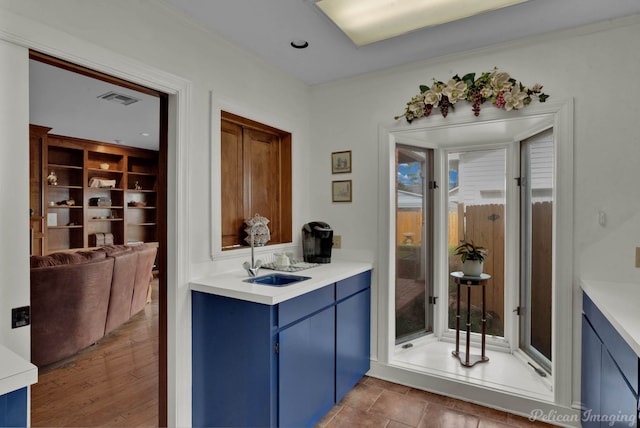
[68, 308]
[65, 258]
[113, 250]
[144, 275]
[124, 275]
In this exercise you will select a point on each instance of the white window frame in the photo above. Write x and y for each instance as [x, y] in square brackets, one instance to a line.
[560, 116]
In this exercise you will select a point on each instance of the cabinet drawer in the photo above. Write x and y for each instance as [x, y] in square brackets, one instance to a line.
[299, 307]
[352, 285]
[625, 358]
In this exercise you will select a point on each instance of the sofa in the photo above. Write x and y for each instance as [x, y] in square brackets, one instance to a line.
[78, 297]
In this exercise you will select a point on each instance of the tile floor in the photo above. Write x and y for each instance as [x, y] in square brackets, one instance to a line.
[377, 403]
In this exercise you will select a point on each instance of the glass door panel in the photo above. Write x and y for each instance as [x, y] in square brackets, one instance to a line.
[536, 193]
[413, 276]
[477, 197]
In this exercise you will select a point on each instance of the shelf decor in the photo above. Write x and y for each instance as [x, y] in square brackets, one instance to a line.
[496, 87]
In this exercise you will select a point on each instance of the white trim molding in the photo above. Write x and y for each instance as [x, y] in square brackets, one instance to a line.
[440, 133]
[37, 36]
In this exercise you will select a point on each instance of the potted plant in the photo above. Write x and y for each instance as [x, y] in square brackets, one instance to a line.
[472, 257]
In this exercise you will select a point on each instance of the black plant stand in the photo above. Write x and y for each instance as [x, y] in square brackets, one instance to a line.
[467, 359]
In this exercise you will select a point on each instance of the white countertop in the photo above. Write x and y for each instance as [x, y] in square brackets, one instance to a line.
[618, 302]
[230, 284]
[15, 371]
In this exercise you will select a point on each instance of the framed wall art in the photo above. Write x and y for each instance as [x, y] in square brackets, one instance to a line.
[341, 191]
[341, 162]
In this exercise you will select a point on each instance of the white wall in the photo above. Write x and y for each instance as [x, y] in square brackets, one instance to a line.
[14, 190]
[148, 43]
[593, 65]
[585, 64]
[590, 65]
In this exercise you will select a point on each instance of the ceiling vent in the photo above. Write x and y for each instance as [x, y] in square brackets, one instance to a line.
[125, 100]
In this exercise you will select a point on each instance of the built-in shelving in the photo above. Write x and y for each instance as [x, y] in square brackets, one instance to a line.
[94, 190]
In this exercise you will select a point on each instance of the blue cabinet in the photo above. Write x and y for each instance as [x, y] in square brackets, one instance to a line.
[306, 366]
[353, 320]
[609, 379]
[13, 408]
[286, 365]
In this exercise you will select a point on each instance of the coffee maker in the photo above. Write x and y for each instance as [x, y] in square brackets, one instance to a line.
[317, 239]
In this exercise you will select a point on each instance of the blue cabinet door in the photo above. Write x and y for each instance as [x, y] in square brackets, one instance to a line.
[233, 363]
[353, 319]
[591, 366]
[306, 370]
[617, 401]
[13, 408]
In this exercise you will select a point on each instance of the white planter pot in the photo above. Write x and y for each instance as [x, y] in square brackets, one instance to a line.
[472, 267]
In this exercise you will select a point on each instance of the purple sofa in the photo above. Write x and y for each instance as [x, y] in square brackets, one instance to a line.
[79, 297]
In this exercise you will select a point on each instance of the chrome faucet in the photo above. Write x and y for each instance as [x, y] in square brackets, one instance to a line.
[253, 268]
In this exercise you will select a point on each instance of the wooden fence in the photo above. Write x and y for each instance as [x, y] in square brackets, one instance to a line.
[410, 222]
[484, 225]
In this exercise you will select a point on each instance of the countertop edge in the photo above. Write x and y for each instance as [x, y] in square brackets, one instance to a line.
[230, 284]
[16, 372]
[612, 306]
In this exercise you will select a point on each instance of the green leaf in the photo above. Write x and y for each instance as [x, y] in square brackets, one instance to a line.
[543, 97]
[423, 89]
[469, 78]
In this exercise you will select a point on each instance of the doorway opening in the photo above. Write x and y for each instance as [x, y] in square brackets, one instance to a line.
[154, 216]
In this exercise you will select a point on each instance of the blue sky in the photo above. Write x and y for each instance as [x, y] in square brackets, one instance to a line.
[405, 171]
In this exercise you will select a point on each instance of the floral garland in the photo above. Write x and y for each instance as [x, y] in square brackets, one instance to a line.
[495, 86]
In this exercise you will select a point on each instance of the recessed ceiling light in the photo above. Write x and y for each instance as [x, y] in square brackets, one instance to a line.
[299, 44]
[145, 134]
[368, 21]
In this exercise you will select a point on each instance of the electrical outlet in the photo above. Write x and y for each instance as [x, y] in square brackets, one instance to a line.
[20, 317]
[337, 241]
[638, 257]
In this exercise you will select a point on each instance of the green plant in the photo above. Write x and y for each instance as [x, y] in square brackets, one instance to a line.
[470, 251]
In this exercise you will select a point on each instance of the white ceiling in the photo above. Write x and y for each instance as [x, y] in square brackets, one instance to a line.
[267, 27]
[68, 102]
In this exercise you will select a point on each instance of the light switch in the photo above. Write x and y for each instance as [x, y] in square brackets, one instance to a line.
[602, 218]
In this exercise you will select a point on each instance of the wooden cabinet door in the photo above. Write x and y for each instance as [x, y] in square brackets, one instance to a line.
[232, 184]
[262, 182]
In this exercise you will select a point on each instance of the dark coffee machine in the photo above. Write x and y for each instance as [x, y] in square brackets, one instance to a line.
[317, 239]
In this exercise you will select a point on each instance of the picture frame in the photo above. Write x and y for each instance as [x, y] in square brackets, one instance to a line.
[341, 190]
[341, 162]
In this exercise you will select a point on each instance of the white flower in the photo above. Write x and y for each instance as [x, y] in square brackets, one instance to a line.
[455, 90]
[500, 82]
[537, 88]
[432, 97]
[486, 92]
[416, 105]
[514, 100]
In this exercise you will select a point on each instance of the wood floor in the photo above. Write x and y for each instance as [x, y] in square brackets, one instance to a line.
[115, 383]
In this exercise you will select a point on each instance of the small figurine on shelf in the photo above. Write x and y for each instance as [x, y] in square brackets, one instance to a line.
[67, 203]
[52, 179]
[137, 186]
